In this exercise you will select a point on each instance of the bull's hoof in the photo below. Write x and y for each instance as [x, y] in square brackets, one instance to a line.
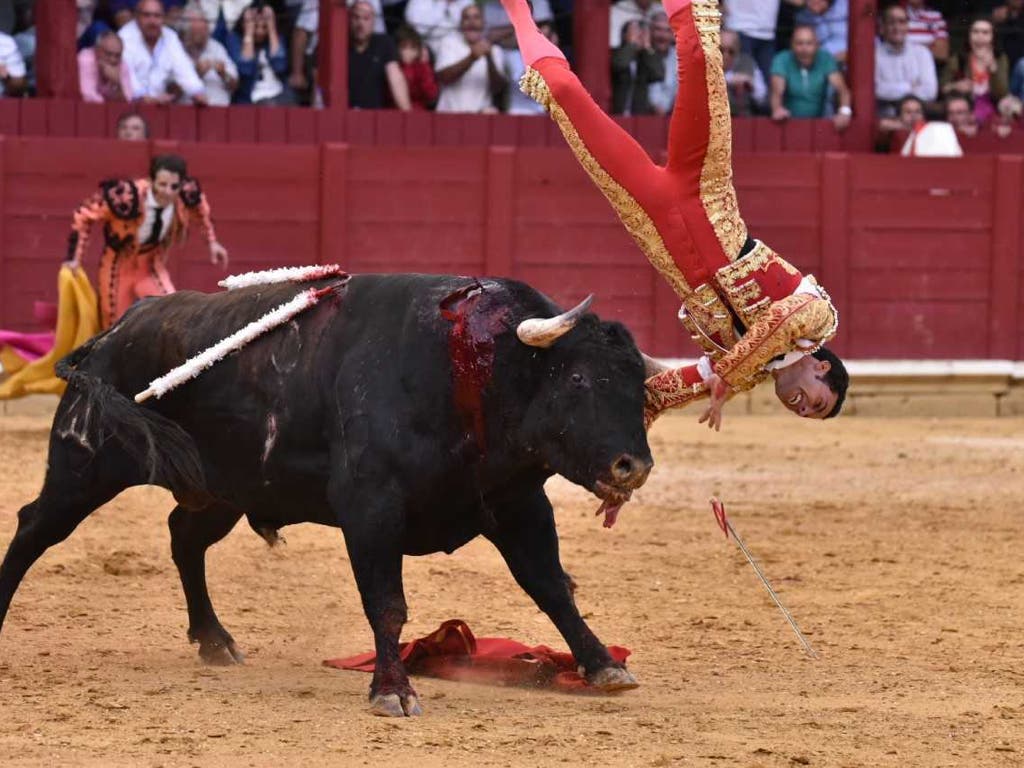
[393, 705]
[612, 680]
[220, 654]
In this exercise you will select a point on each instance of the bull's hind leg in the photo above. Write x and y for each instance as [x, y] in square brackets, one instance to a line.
[525, 536]
[78, 481]
[192, 533]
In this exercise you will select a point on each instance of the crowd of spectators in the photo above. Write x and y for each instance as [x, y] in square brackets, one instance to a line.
[206, 52]
[784, 59]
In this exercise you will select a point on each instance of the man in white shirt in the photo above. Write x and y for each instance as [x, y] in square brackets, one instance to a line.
[211, 59]
[755, 22]
[12, 67]
[161, 69]
[435, 19]
[902, 68]
[469, 68]
[625, 11]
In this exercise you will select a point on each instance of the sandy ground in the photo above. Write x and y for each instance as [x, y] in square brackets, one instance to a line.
[896, 544]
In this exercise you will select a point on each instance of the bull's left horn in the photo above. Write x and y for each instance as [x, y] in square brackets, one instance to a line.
[545, 332]
[652, 366]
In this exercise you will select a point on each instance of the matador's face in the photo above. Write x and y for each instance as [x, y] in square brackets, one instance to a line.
[801, 387]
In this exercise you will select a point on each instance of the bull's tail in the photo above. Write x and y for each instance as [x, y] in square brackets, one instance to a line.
[167, 453]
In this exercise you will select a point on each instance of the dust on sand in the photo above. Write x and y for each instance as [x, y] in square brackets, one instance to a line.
[896, 545]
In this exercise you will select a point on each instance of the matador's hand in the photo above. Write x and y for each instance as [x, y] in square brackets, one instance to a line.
[720, 392]
[218, 254]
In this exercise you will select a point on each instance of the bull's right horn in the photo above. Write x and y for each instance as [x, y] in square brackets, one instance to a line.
[538, 332]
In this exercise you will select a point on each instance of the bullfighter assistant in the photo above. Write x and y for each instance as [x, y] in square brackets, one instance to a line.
[141, 220]
[753, 313]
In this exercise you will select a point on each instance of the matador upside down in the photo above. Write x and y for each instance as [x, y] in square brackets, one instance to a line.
[753, 313]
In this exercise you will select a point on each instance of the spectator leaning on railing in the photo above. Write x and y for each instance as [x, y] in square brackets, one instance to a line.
[902, 68]
[373, 72]
[800, 80]
[909, 112]
[161, 69]
[103, 74]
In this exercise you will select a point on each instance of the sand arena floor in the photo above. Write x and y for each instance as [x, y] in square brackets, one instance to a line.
[896, 544]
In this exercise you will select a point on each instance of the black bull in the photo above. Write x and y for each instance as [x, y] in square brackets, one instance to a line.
[404, 410]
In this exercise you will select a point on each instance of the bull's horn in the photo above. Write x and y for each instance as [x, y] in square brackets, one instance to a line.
[653, 367]
[539, 332]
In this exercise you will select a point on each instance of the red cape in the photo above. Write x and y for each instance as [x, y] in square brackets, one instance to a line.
[453, 653]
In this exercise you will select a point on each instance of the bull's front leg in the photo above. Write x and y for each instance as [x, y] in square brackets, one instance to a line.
[373, 539]
[525, 536]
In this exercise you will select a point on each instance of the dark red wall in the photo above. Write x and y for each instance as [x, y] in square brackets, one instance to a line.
[925, 258]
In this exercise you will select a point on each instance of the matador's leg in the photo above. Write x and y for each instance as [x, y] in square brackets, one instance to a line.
[700, 138]
[109, 287]
[621, 168]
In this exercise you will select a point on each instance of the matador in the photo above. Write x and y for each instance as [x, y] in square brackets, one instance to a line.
[753, 314]
[141, 220]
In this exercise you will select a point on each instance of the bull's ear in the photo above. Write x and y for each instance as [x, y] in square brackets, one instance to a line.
[538, 332]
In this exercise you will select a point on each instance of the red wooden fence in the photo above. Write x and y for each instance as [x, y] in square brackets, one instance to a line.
[925, 258]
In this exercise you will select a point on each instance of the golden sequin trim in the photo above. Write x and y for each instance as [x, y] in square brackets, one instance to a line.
[716, 189]
[801, 316]
[634, 218]
[666, 390]
[740, 286]
[705, 315]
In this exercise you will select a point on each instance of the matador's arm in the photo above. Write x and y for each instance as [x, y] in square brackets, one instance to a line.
[198, 208]
[92, 210]
[675, 388]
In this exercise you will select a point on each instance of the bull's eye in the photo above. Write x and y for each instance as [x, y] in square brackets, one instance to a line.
[579, 381]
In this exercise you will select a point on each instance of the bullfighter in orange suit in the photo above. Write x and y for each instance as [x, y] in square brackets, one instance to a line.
[141, 220]
[753, 313]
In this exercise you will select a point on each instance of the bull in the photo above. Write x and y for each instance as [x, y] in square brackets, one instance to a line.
[413, 412]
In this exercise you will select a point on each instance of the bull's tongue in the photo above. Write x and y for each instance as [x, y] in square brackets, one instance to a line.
[611, 512]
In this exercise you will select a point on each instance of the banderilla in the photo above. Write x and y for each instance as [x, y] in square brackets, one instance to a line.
[724, 523]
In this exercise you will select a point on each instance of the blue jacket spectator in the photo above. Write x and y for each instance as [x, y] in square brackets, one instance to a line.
[262, 60]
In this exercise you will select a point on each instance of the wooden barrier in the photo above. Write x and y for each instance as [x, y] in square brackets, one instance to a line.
[925, 258]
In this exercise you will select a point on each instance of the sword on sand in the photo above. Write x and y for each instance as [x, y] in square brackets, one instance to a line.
[724, 523]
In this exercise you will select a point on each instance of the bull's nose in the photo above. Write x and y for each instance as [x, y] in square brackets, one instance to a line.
[631, 470]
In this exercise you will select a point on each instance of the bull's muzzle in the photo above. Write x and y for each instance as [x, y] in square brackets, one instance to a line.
[630, 471]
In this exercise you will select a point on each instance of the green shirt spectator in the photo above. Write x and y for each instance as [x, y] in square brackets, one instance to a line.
[805, 86]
